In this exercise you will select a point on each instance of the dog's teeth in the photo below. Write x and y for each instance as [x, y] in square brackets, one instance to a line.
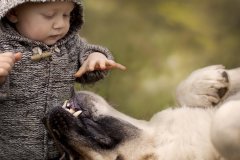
[71, 110]
[76, 114]
[65, 104]
[68, 105]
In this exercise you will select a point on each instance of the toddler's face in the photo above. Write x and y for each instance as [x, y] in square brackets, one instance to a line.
[46, 22]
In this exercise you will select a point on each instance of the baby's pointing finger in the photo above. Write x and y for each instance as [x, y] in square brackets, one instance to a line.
[113, 64]
[120, 66]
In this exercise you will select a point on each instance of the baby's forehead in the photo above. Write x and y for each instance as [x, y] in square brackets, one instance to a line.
[56, 5]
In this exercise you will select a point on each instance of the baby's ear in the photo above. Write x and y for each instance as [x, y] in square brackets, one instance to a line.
[11, 16]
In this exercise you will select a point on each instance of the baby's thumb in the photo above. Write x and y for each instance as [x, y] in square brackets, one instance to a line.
[80, 72]
[18, 56]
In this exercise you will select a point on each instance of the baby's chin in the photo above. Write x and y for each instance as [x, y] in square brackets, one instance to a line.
[52, 40]
[50, 43]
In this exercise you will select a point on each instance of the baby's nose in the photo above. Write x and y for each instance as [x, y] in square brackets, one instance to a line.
[60, 22]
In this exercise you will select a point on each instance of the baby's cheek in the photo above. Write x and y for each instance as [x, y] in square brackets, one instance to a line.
[37, 33]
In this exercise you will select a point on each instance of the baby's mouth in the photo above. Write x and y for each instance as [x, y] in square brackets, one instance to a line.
[57, 36]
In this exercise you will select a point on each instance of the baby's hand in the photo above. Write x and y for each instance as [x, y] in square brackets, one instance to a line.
[97, 61]
[7, 61]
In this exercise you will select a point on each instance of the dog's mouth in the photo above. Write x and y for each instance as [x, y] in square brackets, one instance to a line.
[74, 122]
[75, 127]
[84, 121]
[72, 108]
[78, 124]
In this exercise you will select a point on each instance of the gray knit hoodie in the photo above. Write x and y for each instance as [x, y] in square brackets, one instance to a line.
[34, 87]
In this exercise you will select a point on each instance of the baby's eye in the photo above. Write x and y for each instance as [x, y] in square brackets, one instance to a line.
[48, 15]
[66, 15]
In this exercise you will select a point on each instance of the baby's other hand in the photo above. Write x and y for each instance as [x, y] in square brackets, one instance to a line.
[7, 61]
[97, 61]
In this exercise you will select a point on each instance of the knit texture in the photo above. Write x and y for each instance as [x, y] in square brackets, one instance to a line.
[7, 5]
[33, 88]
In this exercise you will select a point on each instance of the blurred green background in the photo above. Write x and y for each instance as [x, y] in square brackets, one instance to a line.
[160, 42]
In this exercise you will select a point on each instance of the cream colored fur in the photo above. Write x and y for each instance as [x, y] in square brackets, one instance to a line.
[200, 90]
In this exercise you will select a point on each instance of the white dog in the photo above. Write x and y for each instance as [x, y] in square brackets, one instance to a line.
[205, 127]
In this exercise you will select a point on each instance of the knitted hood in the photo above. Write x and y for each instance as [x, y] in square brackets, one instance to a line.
[76, 17]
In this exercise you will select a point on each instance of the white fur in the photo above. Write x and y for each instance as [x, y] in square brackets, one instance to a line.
[200, 89]
[173, 134]
[225, 130]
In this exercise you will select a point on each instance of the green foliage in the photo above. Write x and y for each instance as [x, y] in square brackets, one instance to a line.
[160, 42]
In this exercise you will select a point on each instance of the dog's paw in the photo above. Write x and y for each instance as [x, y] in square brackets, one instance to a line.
[205, 87]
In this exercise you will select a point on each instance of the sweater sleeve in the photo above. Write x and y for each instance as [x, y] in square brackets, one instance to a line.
[85, 50]
[4, 89]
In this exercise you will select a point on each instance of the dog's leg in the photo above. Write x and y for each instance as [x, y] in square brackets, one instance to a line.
[205, 87]
[225, 130]
[234, 79]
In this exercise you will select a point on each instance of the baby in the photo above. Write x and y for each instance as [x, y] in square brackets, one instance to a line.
[41, 57]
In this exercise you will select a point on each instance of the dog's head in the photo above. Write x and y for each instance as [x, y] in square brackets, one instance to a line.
[87, 127]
